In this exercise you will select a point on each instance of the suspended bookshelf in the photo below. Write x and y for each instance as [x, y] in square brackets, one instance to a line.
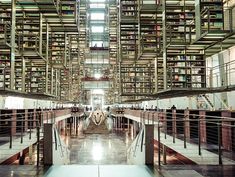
[209, 16]
[35, 76]
[57, 47]
[185, 65]
[5, 57]
[137, 79]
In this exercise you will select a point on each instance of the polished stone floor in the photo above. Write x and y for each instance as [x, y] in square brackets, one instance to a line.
[101, 171]
[104, 155]
[99, 149]
[198, 170]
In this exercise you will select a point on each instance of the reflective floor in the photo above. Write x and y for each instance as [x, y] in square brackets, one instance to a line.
[99, 149]
[97, 155]
[101, 171]
[198, 170]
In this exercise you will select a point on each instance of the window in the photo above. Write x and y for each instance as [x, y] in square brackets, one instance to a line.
[97, 44]
[97, 16]
[97, 6]
[97, 1]
[97, 29]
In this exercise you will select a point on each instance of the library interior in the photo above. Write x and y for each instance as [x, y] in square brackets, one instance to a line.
[121, 88]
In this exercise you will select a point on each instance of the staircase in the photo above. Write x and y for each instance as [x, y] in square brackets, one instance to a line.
[208, 101]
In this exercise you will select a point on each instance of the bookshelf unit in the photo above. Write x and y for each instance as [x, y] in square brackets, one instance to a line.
[19, 75]
[179, 22]
[128, 30]
[65, 84]
[68, 8]
[147, 36]
[137, 79]
[5, 54]
[113, 31]
[186, 69]
[158, 62]
[5, 66]
[83, 24]
[35, 76]
[209, 16]
[183, 64]
[74, 68]
[57, 47]
[28, 30]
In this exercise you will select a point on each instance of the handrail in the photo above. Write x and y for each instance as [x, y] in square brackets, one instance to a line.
[196, 130]
[218, 117]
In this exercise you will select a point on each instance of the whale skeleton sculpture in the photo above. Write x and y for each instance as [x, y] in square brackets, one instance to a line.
[98, 117]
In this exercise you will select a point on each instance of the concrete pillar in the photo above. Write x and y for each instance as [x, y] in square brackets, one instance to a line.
[119, 122]
[187, 124]
[65, 127]
[128, 125]
[26, 120]
[134, 128]
[35, 118]
[149, 144]
[164, 154]
[30, 154]
[13, 122]
[203, 126]
[123, 123]
[226, 131]
[48, 144]
[174, 129]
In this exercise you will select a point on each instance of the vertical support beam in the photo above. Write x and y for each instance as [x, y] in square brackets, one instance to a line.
[198, 18]
[149, 144]
[56, 83]
[159, 144]
[47, 56]
[202, 134]
[199, 136]
[23, 74]
[26, 120]
[223, 75]
[227, 141]
[38, 145]
[219, 143]
[186, 125]
[13, 29]
[174, 128]
[156, 75]
[65, 49]
[164, 44]
[40, 33]
[52, 80]
[48, 144]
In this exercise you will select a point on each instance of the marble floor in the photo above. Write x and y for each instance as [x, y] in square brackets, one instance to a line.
[99, 149]
[198, 170]
[102, 155]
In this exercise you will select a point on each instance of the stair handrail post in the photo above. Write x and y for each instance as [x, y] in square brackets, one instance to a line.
[199, 135]
[159, 144]
[38, 144]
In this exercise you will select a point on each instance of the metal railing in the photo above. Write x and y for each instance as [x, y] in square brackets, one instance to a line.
[18, 131]
[21, 129]
[221, 75]
[209, 134]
